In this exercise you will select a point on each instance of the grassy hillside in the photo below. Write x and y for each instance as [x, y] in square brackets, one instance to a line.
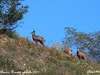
[21, 55]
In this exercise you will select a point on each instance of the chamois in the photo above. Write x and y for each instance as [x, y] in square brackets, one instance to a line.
[81, 55]
[37, 39]
[68, 51]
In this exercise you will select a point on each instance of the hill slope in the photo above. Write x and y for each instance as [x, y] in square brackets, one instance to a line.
[21, 55]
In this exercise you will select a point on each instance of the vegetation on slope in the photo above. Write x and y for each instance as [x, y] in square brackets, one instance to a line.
[21, 54]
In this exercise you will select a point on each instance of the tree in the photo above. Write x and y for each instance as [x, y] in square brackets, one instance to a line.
[69, 35]
[11, 11]
[88, 42]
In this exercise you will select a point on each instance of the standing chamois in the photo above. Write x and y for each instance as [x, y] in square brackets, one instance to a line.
[81, 55]
[37, 39]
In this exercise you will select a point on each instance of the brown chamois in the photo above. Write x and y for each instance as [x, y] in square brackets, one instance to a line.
[38, 39]
[68, 51]
[81, 55]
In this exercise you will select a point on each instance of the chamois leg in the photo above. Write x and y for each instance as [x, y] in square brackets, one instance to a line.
[36, 43]
[41, 42]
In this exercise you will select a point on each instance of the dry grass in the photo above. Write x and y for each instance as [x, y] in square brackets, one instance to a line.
[24, 55]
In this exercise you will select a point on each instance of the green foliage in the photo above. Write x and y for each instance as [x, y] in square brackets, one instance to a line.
[13, 35]
[89, 42]
[70, 32]
[9, 33]
[11, 11]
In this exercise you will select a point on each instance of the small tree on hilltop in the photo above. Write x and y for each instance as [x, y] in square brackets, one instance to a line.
[11, 11]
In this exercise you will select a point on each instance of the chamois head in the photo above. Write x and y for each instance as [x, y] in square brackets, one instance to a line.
[33, 32]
